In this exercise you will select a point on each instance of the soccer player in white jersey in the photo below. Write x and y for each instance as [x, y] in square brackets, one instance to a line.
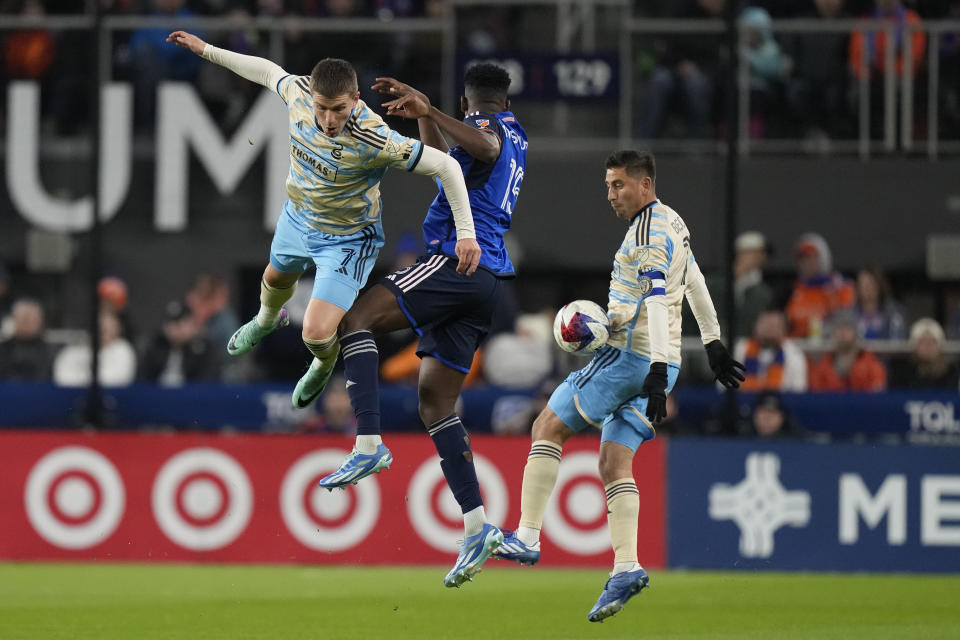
[339, 152]
[623, 390]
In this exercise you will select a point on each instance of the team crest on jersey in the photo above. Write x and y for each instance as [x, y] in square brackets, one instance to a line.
[642, 255]
[645, 284]
[483, 123]
[394, 149]
[337, 152]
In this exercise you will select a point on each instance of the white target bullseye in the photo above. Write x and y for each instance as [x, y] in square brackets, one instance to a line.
[324, 520]
[202, 499]
[74, 497]
[435, 513]
[576, 514]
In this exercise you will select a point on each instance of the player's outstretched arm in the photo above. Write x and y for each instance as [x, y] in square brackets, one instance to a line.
[439, 165]
[409, 103]
[728, 371]
[259, 70]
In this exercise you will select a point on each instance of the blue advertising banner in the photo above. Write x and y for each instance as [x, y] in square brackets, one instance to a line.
[828, 507]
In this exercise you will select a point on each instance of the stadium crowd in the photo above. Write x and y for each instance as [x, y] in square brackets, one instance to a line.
[814, 335]
[802, 85]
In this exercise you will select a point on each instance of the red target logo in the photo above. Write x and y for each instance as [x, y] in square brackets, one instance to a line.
[74, 497]
[327, 520]
[202, 499]
[576, 516]
[434, 511]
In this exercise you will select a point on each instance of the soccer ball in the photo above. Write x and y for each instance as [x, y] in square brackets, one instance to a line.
[581, 327]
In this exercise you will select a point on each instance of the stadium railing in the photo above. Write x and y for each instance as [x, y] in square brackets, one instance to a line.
[579, 29]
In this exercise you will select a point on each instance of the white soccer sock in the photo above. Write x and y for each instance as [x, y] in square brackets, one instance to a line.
[272, 300]
[368, 444]
[620, 567]
[528, 535]
[473, 521]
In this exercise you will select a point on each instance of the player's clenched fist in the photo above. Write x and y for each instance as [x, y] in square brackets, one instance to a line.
[187, 41]
[469, 253]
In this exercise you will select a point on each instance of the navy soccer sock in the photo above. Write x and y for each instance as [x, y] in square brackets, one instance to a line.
[456, 460]
[360, 364]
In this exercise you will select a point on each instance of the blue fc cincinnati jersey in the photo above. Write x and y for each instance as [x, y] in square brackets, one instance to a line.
[493, 189]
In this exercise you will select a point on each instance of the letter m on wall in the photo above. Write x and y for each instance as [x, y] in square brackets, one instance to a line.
[184, 123]
[856, 501]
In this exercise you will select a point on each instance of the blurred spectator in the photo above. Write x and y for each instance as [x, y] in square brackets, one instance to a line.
[180, 352]
[152, 59]
[25, 356]
[816, 92]
[878, 316]
[875, 42]
[209, 301]
[113, 295]
[848, 367]
[772, 360]
[522, 359]
[28, 54]
[6, 303]
[819, 290]
[685, 74]
[674, 424]
[117, 359]
[927, 366]
[337, 414]
[751, 294]
[768, 68]
[770, 418]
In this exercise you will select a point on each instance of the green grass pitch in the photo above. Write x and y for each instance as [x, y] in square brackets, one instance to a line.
[79, 601]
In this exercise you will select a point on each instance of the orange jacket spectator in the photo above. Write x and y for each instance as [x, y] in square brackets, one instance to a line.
[867, 374]
[404, 367]
[819, 291]
[876, 43]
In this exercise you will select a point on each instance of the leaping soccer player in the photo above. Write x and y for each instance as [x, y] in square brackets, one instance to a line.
[623, 390]
[450, 311]
[339, 152]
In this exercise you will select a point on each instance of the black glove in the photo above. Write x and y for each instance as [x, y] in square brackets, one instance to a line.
[728, 371]
[655, 391]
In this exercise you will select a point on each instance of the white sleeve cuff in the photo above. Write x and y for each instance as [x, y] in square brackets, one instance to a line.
[658, 327]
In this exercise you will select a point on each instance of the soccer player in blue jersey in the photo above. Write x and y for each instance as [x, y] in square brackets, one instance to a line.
[623, 390]
[450, 311]
[339, 152]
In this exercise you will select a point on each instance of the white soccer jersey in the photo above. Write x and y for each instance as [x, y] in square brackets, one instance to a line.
[652, 261]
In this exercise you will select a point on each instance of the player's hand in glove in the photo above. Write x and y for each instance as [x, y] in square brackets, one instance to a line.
[728, 371]
[655, 390]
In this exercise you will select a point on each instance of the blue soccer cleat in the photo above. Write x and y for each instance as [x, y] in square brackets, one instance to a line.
[616, 592]
[356, 467]
[474, 552]
[514, 549]
[246, 337]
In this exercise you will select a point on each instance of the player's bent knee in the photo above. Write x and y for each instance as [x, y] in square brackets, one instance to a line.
[615, 462]
[548, 426]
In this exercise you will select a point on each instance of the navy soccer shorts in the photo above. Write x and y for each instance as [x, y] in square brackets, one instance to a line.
[450, 312]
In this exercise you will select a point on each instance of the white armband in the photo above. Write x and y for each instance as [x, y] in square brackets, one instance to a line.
[259, 70]
[436, 164]
[701, 304]
[658, 327]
